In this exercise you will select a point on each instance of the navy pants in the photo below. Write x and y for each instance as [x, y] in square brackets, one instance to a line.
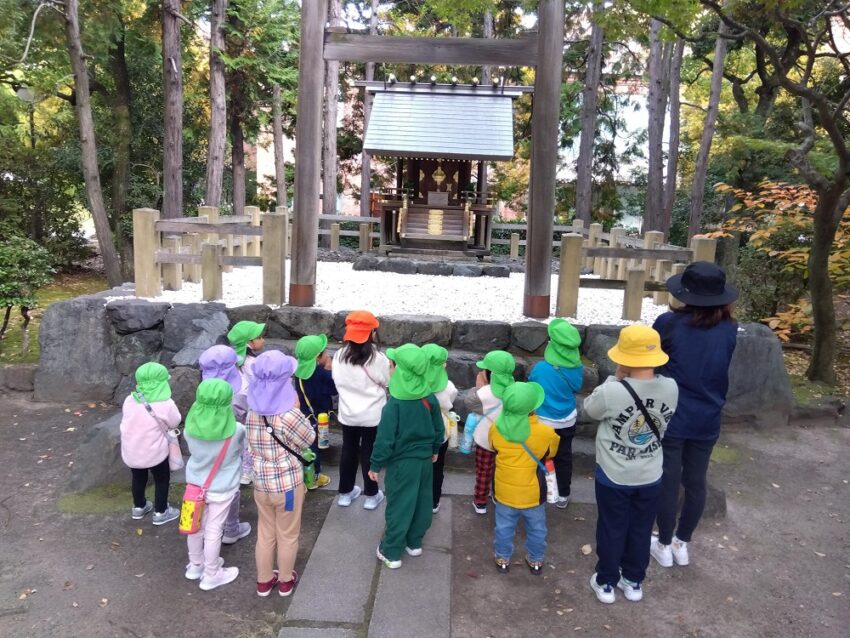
[161, 479]
[623, 531]
[314, 446]
[686, 464]
[439, 473]
[564, 460]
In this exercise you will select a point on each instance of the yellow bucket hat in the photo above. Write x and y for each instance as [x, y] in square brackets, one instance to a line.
[638, 346]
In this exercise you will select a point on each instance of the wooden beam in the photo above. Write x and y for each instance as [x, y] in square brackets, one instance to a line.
[167, 226]
[355, 47]
[681, 254]
[544, 157]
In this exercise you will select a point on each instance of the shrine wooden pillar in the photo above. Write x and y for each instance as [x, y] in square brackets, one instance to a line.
[544, 158]
[308, 149]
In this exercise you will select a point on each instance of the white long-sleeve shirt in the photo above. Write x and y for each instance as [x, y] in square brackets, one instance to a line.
[362, 389]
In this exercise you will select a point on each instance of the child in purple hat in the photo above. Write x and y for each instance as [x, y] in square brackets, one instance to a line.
[219, 362]
[278, 474]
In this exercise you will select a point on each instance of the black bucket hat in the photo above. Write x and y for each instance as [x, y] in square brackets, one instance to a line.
[702, 284]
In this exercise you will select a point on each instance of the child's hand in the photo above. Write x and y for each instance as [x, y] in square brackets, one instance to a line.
[434, 458]
[373, 476]
[481, 379]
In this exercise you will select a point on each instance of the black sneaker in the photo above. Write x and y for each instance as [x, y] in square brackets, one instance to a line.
[503, 565]
[534, 566]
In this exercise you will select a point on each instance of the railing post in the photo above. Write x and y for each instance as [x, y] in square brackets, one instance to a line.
[172, 274]
[593, 242]
[569, 278]
[515, 245]
[145, 245]
[365, 230]
[288, 231]
[651, 239]
[274, 258]
[211, 288]
[334, 237]
[633, 298]
[704, 248]
[254, 213]
[192, 272]
[612, 263]
[578, 226]
[256, 240]
[662, 268]
[678, 269]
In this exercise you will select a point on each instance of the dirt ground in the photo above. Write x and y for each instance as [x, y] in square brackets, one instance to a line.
[777, 566]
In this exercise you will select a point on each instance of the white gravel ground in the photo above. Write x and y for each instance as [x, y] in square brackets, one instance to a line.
[338, 287]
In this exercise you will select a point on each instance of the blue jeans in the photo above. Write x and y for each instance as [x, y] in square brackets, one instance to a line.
[535, 531]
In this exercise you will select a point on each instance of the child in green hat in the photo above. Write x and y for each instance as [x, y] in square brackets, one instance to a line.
[484, 402]
[561, 374]
[316, 389]
[445, 392]
[409, 437]
[521, 444]
[210, 426]
[247, 339]
[146, 417]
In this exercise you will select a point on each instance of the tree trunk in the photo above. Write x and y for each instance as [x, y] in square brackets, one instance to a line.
[88, 146]
[330, 161]
[237, 142]
[172, 78]
[279, 159]
[655, 132]
[486, 78]
[673, 145]
[365, 158]
[701, 168]
[124, 133]
[5, 323]
[589, 103]
[218, 106]
[25, 331]
[236, 111]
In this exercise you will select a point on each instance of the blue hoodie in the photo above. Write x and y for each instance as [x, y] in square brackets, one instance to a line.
[560, 385]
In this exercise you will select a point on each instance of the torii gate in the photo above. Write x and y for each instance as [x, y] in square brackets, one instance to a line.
[543, 50]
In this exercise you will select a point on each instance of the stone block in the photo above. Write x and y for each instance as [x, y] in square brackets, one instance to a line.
[293, 322]
[435, 268]
[255, 312]
[529, 336]
[759, 387]
[496, 270]
[589, 332]
[19, 377]
[191, 328]
[366, 262]
[184, 382]
[481, 336]
[124, 388]
[397, 265]
[136, 348]
[133, 315]
[597, 349]
[286, 347]
[462, 369]
[339, 324]
[97, 458]
[589, 379]
[77, 353]
[466, 270]
[419, 329]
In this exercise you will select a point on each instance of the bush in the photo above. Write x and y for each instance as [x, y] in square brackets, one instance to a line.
[24, 268]
[765, 287]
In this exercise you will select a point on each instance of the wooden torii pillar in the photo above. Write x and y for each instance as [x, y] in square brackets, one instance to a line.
[543, 51]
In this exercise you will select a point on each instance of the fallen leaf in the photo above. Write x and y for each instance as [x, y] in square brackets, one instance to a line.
[75, 605]
[821, 554]
[22, 439]
[67, 409]
[568, 610]
[560, 613]
[557, 591]
[23, 596]
[775, 485]
[586, 549]
[89, 567]
[139, 575]
[70, 429]
[104, 602]
[92, 405]
[68, 585]
[836, 594]
[139, 531]
[729, 599]
[607, 627]
[579, 518]
[78, 414]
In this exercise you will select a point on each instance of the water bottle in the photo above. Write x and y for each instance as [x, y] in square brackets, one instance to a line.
[322, 420]
[309, 470]
[551, 482]
[465, 446]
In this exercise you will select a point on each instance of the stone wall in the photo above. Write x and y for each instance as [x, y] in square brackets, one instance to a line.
[90, 349]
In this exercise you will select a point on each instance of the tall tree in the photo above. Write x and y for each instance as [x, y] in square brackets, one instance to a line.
[172, 77]
[701, 167]
[121, 104]
[237, 80]
[655, 131]
[329, 154]
[365, 158]
[589, 105]
[88, 145]
[218, 106]
[673, 143]
[279, 159]
[486, 77]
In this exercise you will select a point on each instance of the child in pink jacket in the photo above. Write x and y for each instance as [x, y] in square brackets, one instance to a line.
[144, 444]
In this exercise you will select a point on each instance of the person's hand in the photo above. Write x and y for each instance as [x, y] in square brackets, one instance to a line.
[373, 476]
[622, 372]
[481, 379]
[434, 458]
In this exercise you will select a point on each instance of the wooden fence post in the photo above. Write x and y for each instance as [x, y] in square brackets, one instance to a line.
[255, 240]
[192, 272]
[569, 276]
[651, 239]
[592, 242]
[704, 248]
[274, 259]
[365, 240]
[578, 226]
[633, 298]
[616, 241]
[211, 288]
[678, 269]
[172, 274]
[247, 241]
[514, 245]
[145, 245]
[288, 231]
[662, 268]
[334, 237]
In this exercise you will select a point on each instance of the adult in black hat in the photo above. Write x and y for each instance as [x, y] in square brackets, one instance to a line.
[699, 337]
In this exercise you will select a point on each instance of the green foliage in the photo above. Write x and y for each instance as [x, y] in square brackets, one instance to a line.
[764, 286]
[24, 268]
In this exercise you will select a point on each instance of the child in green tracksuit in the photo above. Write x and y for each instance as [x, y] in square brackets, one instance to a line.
[409, 437]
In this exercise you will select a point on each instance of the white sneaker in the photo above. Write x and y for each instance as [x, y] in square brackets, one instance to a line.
[372, 502]
[562, 502]
[413, 552]
[225, 575]
[138, 513]
[392, 564]
[244, 530]
[194, 572]
[631, 590]
[604, 593]
[680, 551]
[435, 509]
[661, 553]
[344, 500]
[247, 478]
[479, 509]
[170, 514]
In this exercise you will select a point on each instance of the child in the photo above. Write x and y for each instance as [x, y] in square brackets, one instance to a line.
[629, 459]
[210, 425]
[361, 374]
[497, 373]
[700, 339]
[315, 387]
[521, 444]
[219, 362]
[278, 474]
[560, 374]
[144, 444]
[445, 392]
[247, 339]
[410, 434]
